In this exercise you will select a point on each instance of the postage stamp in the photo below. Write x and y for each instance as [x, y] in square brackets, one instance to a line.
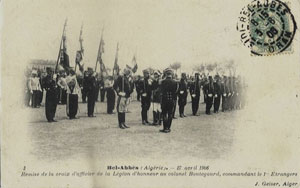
[267, 27]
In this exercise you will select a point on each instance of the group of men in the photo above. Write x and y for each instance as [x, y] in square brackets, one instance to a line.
[161, 93]
[157, 91]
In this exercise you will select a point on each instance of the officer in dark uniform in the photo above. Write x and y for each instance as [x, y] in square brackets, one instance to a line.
[234, 93]
[50, 86]
[217, 94]
[110, 95]
[123, 88]
[156, 99]
[168, 90]
[102, 89]
[224, 91]
[90, 80]
[230, 93]
[138, 92]
[175, 99]
[97, 90]
[195, 88]
[145, 87]
[84, 86]
[182, 94]
[209, 92]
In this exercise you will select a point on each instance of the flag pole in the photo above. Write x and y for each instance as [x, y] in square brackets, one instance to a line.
[81, 47]
[61, 42]
[99, 51]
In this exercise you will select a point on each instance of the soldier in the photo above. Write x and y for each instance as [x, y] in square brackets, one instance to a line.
[123, 87]
[49, 83]
[110, 95]
[224, 91]
[217, 93]
[34, 87]
[98, 83]
[195, 88]
[138, 94]
[175, 98]
[62, 87]
[209, 92]
[156, 100]
[90, 80]
[84, 86]
[73, 90]
[234, 93]
[145, 87]
[102, 89]
[239, 92]
[182, 98]
[168, 90]
[40, 92]
[230, 93]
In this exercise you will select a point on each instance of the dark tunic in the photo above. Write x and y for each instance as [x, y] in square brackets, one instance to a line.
[91, 93]
[146, 92]
[195, 88]
[51, 97]
[217, 96]
[168, 91]
[209, 92]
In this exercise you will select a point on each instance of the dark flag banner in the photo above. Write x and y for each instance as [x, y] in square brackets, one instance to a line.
[99, 57]
[64, 59]
[135, 67]
[116, 69]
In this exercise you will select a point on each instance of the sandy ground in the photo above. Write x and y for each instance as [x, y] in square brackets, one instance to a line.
[203, 136]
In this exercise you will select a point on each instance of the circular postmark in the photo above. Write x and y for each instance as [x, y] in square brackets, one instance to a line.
[267, 27]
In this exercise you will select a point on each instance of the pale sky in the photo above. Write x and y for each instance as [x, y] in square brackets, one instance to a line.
[160, 32]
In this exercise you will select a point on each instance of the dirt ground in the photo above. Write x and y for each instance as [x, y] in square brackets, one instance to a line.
[203, 136]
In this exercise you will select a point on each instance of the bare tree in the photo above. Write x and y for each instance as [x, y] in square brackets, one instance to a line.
[230, 65]
[199, 68]
[175, 66]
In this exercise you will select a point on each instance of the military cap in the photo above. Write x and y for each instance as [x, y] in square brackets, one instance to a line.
[34, 72]
[126, 71]
[146, 71]
[168, 71]
[156, 72]
[90, 70]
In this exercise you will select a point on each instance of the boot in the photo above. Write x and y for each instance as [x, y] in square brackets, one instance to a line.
[120, 120]
[159, 117]
[154, 118]
[123, 121]
[143, 118]
[146, 118]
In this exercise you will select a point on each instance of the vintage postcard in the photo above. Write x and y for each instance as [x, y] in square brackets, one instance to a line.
[150, 93]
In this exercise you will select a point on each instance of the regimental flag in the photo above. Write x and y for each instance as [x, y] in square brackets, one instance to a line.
[101, 49]
[80, 53]
[116, 69]
[99, 57]
[79, 57]
[64, 59]
[102, 68]
[135, 67]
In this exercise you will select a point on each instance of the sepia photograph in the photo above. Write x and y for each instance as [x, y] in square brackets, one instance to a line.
[140, 93]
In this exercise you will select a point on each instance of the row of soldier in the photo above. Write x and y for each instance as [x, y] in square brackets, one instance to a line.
[66, 89]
